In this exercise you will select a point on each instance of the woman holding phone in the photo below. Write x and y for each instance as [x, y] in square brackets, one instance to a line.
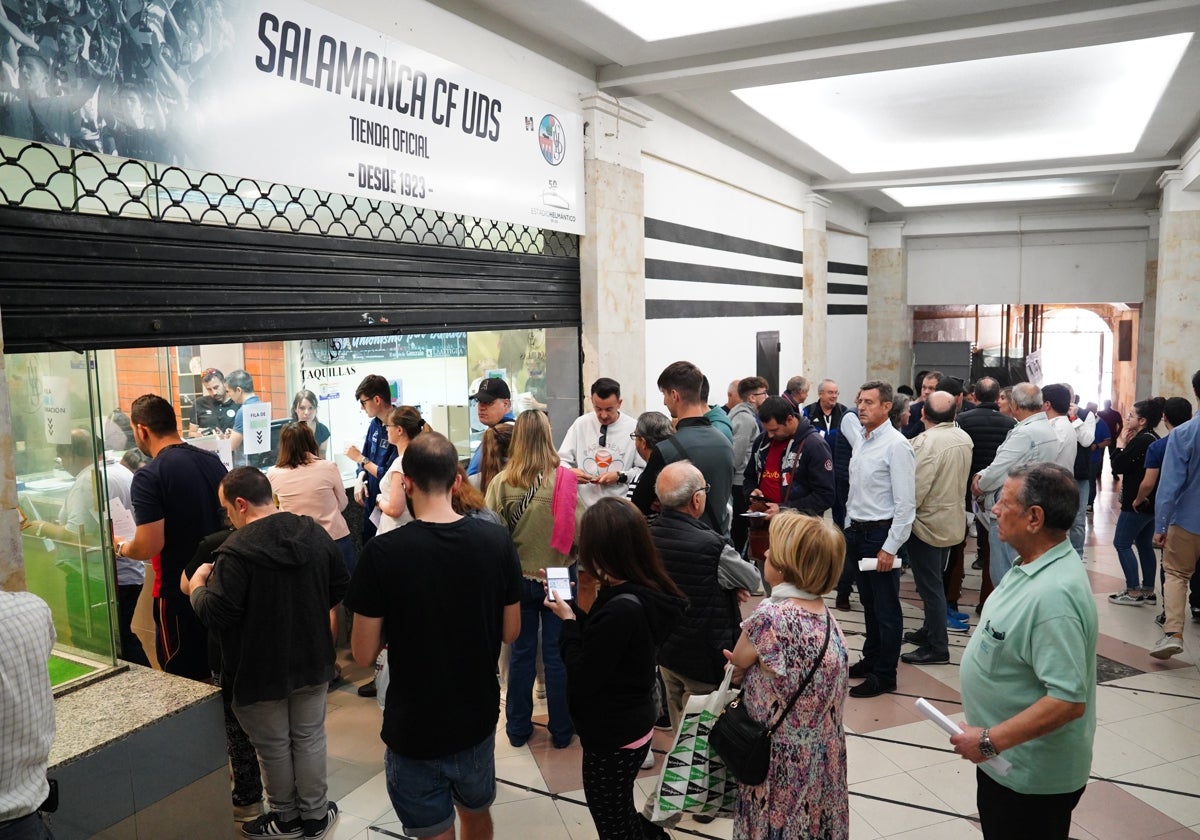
[610, 659]
[538, 502]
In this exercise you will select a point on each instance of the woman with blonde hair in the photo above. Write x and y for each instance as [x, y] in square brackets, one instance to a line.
[403, 423]
[788, 636]
[538, 501]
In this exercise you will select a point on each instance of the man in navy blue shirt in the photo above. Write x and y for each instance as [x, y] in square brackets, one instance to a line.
[374, 394]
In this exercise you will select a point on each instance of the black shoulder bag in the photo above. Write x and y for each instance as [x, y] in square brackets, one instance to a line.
[743, 743]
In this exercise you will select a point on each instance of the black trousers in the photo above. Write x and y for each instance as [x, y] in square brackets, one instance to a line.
[608, 778]
[1005, 814]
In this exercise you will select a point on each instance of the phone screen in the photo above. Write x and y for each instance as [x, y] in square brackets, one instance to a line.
[558, 583]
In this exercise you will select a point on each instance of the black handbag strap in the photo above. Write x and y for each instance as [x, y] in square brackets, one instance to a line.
[816, 663]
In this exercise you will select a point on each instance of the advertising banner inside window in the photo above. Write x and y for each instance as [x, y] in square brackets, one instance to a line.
[288, 92]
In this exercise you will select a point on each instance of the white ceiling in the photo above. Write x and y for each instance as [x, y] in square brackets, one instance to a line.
[921, 103]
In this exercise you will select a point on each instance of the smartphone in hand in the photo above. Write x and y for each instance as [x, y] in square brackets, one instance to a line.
[558, 583]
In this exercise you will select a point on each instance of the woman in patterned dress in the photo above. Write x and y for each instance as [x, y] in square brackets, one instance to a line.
[804, 795]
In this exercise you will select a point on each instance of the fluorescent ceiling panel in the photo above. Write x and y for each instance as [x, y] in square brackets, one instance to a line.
[999, 191]
[1041, 106]
[659, 20]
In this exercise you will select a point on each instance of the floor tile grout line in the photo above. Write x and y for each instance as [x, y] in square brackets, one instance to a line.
[928, 808]
[1150, 691]
[1143, 786]
[868, 737]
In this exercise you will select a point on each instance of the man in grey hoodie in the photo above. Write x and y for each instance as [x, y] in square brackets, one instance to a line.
[744, 418]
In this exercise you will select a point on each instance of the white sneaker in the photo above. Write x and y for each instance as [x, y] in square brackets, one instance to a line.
[1128, 598]
[648, 761]
[1167, 646]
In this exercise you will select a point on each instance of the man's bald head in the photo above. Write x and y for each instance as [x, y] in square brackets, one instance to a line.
[680, 487]
[940, 407]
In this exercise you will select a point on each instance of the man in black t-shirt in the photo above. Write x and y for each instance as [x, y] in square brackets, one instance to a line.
[444, 590]
[175, 506]
[216, 409]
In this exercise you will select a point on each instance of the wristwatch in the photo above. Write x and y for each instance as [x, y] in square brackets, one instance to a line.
[985, 745]
[622, 478]
[362, 462]
[119, 549]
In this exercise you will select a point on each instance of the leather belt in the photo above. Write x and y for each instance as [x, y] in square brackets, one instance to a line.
[860, 525]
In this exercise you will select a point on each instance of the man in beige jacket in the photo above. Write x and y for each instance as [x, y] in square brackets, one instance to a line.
[943, 464]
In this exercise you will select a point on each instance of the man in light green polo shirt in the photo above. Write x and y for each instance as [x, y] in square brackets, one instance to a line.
[1029, 672]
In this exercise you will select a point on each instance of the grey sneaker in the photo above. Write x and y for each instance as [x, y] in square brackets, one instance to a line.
[1167, 646]
[320, 827]
[1128, 598]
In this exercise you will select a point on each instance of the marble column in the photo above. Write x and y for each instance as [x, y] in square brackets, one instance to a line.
[1145, 334]
[1177, 298]
[12, 561]
[889, 322]
[816, 287]
[612, 261]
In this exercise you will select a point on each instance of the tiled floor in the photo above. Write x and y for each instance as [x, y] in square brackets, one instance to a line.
[904, 781]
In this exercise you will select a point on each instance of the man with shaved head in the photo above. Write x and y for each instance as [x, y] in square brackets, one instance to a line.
[710, 573]
[943, 462]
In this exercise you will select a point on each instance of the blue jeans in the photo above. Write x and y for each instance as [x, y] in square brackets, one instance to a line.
[880, 595]
[927, 563]
[346, 546]
[522, 668]
[1136, 529]
[425, 792]
[1079, 526]
[29, 827]
[1003, 555]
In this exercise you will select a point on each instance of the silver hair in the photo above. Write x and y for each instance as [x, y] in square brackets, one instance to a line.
[679, 495]
[1026, 396]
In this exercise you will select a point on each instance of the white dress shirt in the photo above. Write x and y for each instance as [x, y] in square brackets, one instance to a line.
[882, 479]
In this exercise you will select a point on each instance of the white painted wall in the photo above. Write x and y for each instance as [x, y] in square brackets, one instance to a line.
[846, 335]
[724, 348]
[1094, 266]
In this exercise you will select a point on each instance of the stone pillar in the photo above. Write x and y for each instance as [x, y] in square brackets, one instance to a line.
[1145, 335]
[816, 288]
[12, 561]
[1177, 298]
[612, 254]
[889, 323]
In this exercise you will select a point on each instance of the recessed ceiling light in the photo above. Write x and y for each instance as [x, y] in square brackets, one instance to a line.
[1040, 106]
[661, 19]
[999, 191]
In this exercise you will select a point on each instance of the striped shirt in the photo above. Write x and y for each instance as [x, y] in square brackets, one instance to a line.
[26, 702]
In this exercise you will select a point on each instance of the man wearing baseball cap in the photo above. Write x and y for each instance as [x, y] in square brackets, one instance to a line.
[494, 407]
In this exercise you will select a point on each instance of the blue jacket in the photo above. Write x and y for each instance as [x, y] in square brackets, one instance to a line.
[807, 470]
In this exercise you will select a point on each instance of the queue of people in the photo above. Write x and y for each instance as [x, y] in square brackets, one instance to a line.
[645, 507]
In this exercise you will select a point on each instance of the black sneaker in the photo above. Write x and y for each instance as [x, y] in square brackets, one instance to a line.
[1196, 614]
[320, 827]
[1161, 618]
[272, 825]
[917, 637]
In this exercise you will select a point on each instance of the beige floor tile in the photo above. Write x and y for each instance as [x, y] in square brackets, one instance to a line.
[906, 745]
[1159, 734]
[949, 830]
[1183, 807]
[860, 829]
[1110, 812]
[1116, 704]
[898, 805]
[530, 819]
[348, 827]
[952, 782]
[864, 761]
[369, 801]
[1114, 755]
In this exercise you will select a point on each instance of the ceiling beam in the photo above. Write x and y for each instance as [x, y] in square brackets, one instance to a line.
[977, 176]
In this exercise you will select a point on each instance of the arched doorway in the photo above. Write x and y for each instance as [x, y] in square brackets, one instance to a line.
[1077, 348]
